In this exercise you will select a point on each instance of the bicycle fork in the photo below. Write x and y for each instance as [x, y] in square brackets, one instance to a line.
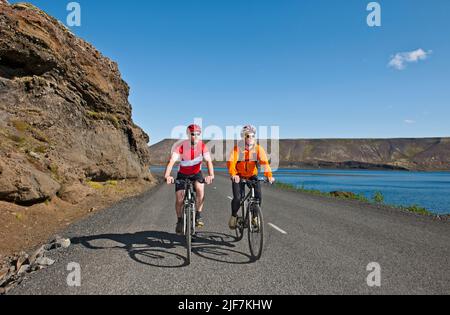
[189, 205]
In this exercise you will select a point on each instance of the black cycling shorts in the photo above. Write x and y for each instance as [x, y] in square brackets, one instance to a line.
[196, 177]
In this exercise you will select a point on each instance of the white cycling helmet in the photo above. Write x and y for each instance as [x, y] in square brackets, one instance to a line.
[248, 130]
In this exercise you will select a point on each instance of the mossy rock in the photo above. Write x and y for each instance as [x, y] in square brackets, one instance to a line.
[24, 6]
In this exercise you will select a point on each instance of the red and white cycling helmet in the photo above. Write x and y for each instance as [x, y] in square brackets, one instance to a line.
[194, 128]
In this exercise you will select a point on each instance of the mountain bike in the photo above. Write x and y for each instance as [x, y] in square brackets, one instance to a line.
[250, 217]
[189, 212]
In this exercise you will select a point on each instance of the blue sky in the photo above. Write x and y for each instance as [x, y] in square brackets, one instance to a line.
[313, 67]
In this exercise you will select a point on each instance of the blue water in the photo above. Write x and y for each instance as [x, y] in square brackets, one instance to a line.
[430, 190]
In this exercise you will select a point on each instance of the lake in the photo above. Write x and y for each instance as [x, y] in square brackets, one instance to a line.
[430, 190]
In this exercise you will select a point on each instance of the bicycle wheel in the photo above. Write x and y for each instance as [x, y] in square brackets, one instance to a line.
[240, 225]
[188, 214]
[255, 231]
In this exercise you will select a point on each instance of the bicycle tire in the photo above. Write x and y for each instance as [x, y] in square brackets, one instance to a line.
[188, 234]
[240, 224]
[255, 232]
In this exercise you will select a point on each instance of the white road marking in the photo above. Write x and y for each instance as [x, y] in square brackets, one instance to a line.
[277, 228]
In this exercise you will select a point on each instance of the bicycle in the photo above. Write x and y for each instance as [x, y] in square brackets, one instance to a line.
[252, 219]
[189, 212]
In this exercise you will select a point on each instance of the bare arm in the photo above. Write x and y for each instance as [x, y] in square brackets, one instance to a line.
[210, 165]
[167, 173]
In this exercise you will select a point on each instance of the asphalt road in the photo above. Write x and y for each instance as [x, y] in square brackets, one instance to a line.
[313, 245]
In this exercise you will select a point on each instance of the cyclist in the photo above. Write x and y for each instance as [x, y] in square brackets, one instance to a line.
[243, 163]
[191, 154]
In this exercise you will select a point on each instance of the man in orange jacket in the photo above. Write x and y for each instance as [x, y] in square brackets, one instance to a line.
[243, 163]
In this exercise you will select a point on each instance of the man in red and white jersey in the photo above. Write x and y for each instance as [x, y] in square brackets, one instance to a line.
[191, 154]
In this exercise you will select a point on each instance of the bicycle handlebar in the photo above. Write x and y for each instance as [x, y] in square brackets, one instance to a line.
[254, 181]
[185, 181]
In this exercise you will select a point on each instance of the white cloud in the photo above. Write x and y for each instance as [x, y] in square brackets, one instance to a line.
[409, 121]
[399, 60]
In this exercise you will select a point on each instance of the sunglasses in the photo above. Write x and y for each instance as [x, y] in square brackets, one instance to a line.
[250, 136]
[195, 134]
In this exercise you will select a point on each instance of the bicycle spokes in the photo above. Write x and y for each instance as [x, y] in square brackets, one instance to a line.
[255, 231]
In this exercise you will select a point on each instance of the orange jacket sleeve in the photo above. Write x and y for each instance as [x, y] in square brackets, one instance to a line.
[232, 161]
[264, 161]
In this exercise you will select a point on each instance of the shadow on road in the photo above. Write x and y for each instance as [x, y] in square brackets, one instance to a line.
[160, 249]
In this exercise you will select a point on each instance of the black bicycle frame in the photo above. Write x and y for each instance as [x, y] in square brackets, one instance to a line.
[251, 196]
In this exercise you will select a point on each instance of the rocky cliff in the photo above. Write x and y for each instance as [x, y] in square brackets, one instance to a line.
[65, 119]
[427, 154]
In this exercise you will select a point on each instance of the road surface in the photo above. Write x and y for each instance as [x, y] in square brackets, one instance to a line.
[313, 245]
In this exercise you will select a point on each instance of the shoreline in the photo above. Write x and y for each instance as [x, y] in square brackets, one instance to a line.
[283, 167]
[416, 209]
[358, 198]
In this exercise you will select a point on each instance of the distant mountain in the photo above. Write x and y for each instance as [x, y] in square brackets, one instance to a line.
[426, 154]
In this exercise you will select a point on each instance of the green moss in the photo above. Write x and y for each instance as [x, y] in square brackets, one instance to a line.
[18, 139]
[104, 116]
[38, 135]
[93, 115]
[20, 125]
[95, 185]
[54, 170]
[24, 6]
[101, 185]
[40, 149]
[111, 183]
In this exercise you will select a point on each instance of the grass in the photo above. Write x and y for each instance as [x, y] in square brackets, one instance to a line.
[23, 127]
[104, 116]
[38, 135]
[112, 183]
[41, 149]
[417, 209]
[360, 197]
[22, 5]
[302, 189]
[18, 139]
[20, 125]
[378, 198]
[101, 185]
[54, 170]
[95, 185]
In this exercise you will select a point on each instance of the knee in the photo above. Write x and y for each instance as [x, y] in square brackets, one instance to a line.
[200, 195]
[179, 199]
